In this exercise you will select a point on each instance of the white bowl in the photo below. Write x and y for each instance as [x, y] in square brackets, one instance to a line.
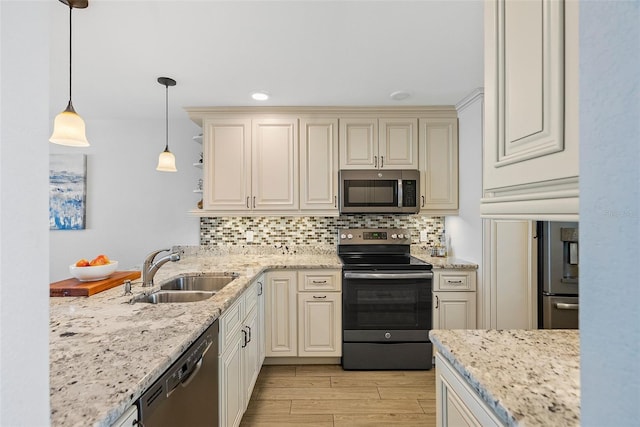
[91, 273]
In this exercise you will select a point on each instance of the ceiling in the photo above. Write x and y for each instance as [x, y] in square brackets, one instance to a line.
[303, 52]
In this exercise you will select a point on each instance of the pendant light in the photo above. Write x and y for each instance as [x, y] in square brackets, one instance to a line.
[167, 161]
[68, 127]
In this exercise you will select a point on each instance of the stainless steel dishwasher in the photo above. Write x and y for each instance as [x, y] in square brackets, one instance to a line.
[187, 393]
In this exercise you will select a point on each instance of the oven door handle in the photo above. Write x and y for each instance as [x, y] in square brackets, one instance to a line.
[387, 275]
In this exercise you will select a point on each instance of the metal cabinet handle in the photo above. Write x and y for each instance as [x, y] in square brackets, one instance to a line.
[317, 297]
[244, 338]
[375, 161]
[260, 288]
[319, 281]
[381, 161]
[437, 301]
[566, 306]
[335, 201]
[422, 201]
[249, 328]
[454, 282]
[248, 202]
[254, 202]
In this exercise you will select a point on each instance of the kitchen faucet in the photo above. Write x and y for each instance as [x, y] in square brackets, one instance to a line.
[150, 268]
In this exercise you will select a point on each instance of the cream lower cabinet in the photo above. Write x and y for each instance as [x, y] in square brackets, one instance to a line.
[281, 314]
[304, 313]
[454, 299]
[457, 404]
[239, 363]
[510, 275]
[250, 164]
[531, 161]
[438, 164]
[319, 313]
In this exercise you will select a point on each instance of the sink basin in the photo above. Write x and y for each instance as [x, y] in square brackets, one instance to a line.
[176, 296]
[199, 282]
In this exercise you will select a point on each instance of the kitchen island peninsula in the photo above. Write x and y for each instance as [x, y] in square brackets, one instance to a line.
[507, 377]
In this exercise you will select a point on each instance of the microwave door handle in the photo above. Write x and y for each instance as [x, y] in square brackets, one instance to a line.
[400, 193]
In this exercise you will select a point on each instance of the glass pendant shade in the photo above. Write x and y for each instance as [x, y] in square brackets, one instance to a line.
[69, 129]
[166, 162]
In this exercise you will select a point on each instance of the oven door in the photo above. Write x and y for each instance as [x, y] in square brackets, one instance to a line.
[384, 306]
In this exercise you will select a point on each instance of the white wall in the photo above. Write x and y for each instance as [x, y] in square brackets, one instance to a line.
[132, 209]
[465, 230]
[610, 213]
[24, 245]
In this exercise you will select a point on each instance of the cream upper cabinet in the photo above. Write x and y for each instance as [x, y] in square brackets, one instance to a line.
[227, 165]
[378, 143]
[531, 110]
[438, 166]
[250, 164]
[274, 164]
[319, 164]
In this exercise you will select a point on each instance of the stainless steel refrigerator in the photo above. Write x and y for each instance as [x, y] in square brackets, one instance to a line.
[558, 260]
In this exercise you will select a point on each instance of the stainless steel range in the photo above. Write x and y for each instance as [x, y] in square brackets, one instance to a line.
[386, 301]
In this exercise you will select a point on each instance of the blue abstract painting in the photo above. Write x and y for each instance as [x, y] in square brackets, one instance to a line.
[67, 191]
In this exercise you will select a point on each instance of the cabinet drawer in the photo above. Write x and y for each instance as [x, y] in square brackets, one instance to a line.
[320, 280]
[230, 322]
[455, 281]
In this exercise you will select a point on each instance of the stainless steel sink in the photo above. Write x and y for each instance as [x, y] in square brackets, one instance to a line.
[199, 282]
[176, 296]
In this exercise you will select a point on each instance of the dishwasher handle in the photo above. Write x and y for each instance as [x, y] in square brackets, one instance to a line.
[388, 275]
[194, 371]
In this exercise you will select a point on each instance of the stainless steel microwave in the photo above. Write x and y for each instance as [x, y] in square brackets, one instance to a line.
[379, 191]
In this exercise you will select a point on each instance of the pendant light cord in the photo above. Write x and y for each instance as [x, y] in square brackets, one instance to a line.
[166, 109]
[70, 49]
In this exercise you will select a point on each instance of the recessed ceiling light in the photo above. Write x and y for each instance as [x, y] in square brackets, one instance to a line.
[399, 95]
[260, 96]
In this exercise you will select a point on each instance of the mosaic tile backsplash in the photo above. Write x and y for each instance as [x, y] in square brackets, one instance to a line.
[309, 230]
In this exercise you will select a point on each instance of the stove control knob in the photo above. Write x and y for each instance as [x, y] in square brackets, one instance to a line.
[349, 236]
[395, 236]
[343, 236]
[387, 335]
[400, 236]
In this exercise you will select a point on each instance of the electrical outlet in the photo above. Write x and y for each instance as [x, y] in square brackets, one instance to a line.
[423, 236]
[248, 235]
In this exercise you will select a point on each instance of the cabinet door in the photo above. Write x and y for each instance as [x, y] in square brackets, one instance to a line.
[231, 385]
[531, 109]
[281, 313]
[359, 143]
[439, 165]
[250, 355]
[274, 164]
[319, 164]
[510, 275]
[319, 324]
[261, 320]
[227, 164]
[398, 144]
[454, 310]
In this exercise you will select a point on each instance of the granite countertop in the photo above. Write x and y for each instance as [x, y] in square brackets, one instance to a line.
[527, 377]
[104, 352]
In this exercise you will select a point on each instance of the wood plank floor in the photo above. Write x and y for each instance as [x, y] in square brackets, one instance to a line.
[327, 396]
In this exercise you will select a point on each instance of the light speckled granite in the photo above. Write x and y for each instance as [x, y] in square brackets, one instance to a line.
[443, 262]
[104, 352]
[529, 378]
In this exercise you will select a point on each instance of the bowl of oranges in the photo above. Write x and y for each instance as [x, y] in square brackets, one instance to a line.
[98, 268]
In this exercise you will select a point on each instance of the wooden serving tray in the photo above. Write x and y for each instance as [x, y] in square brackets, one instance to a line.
[75, 288]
